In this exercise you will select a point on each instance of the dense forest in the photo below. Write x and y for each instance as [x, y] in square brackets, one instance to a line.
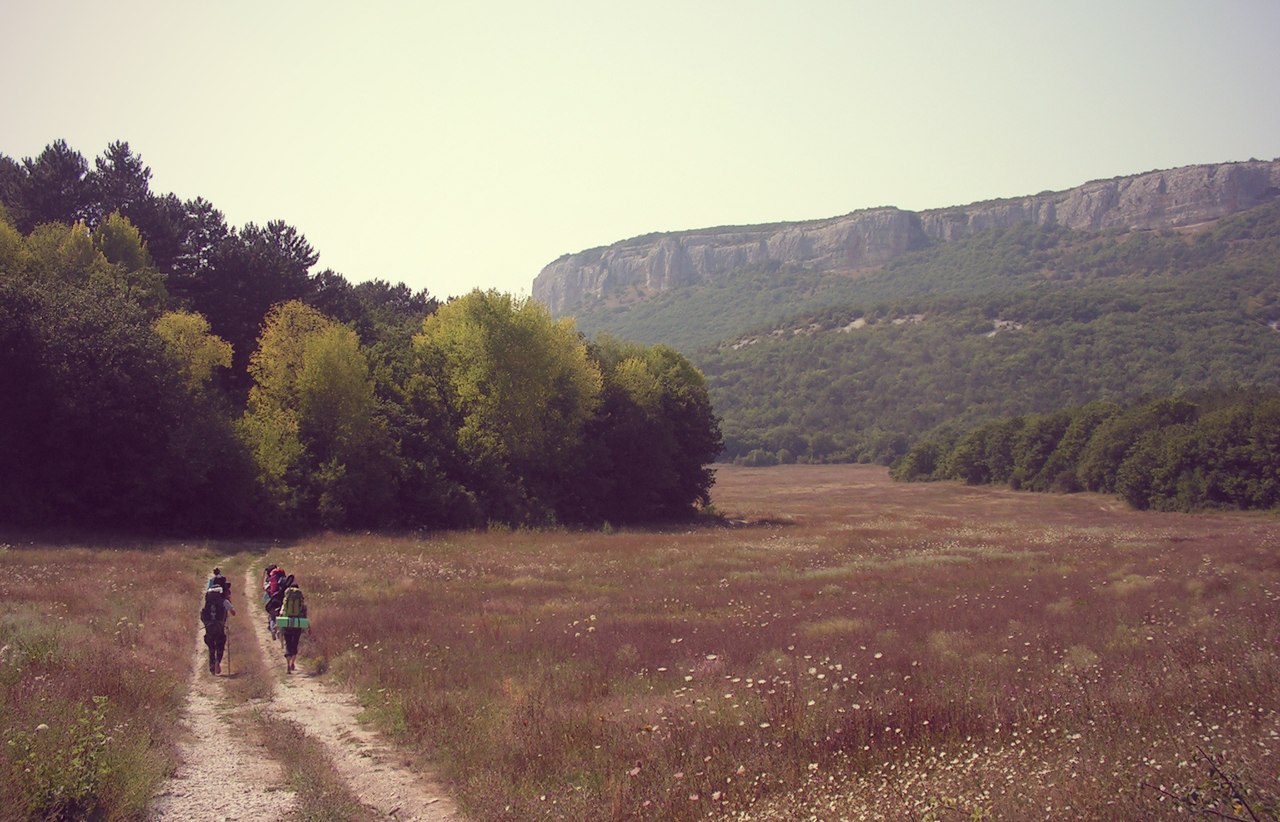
[166, 371]
[1171, 453]
[1008, 322]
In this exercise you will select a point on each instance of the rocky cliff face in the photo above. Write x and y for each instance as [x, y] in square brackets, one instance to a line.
[864, 239]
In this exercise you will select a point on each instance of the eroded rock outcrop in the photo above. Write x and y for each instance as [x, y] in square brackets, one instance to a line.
[865, 239]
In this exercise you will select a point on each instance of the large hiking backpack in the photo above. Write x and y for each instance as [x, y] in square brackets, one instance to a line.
[292, 606]
[278, 582]
[212, 610]
[220, 581]
[275, 598]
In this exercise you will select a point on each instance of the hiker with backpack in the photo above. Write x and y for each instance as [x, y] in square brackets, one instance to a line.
[292, 621]
[214, 618]
[272, 579]
[269, 581]
[273, 598]
[217, 580]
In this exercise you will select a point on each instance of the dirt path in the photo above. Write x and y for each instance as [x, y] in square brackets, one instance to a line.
[377, 777]
[222, 777]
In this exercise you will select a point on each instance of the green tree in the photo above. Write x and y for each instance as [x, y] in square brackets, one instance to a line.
[1036, 442]
[1237, 456]
[653, 437]
[58, 252]
[55, 188]
[13, 182]
[98, 429]
[921, 462]
[695, 429]
[13, 252]
[271, 421]
[120, 182]
[967, 460]
[313, 423]
[121, 243]
[129, 266]
[1111, 442]
[197, 352]
[234, 278]
[1154, 467]
[519, 390]
[1059, 471]
[354, 470]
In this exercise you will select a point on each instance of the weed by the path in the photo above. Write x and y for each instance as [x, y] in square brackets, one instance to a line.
[65, 770]
[95, 646]
[1218, 794]
[322, 794]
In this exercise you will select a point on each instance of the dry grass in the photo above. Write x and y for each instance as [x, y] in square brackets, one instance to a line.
[863, 650]
[95, 650]
[322, 794]
[897, 651]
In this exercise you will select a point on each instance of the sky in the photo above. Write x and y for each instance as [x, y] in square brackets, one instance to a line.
[465, 145]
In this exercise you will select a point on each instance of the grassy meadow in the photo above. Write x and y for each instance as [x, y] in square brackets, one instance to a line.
[95, 654]
[852, 648]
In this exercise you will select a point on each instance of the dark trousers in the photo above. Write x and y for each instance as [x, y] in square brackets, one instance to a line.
[215, 636]
[291, 637]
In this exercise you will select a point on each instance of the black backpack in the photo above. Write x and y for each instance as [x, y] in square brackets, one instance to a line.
[222, 583]
[212, 610]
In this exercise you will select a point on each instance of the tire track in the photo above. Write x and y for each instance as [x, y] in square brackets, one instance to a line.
[376, 775]
[221, 776]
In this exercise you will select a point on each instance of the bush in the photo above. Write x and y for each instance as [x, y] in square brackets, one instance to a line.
[62, 770]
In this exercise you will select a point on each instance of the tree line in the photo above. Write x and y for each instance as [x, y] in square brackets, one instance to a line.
[1169, 454]
[169, 372]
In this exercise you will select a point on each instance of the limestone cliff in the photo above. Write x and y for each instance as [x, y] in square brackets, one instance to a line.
[863, 239]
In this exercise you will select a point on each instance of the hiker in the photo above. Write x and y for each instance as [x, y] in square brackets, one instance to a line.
[214, 618]
[274, 598]
[217, 580]
[292, 621]
[274, 582]
[267, 576]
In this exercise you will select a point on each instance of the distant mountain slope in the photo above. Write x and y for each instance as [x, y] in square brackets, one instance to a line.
[1115, 290]
[1008, 321]
[602, 285]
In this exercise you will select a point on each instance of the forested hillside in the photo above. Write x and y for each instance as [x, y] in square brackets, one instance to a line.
[1173, 453]
[1014, 321]
[166, 371]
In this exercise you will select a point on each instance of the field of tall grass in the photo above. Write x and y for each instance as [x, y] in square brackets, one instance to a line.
[850, 648]
[95, 653]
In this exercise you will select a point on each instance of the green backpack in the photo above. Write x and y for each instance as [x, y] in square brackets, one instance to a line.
[292, 606]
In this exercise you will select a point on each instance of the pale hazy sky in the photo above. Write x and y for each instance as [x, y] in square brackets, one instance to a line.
[464, 144]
